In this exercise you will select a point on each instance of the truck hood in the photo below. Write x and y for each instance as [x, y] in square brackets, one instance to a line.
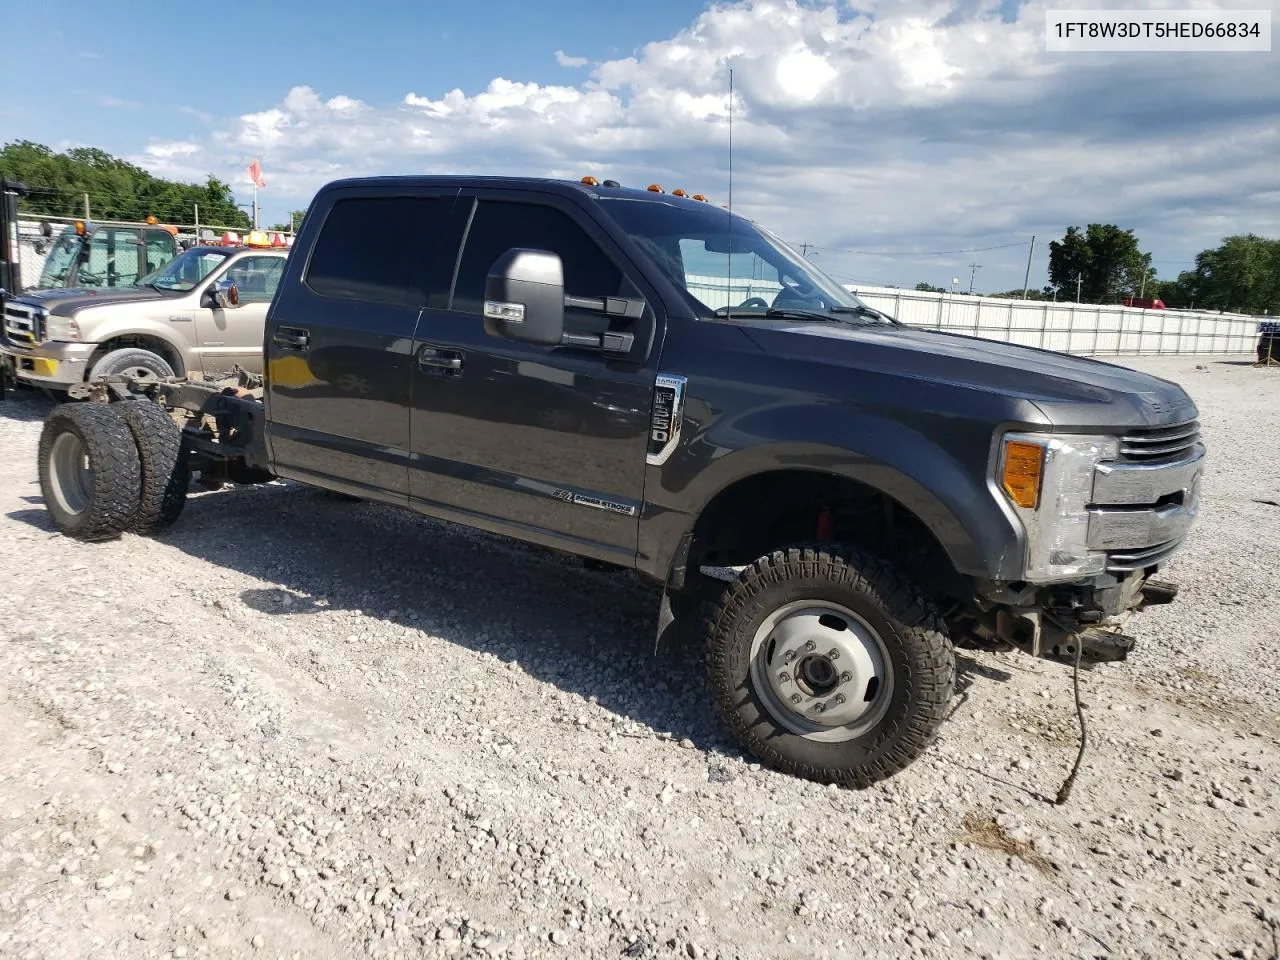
[63, 302]
[1071, 391]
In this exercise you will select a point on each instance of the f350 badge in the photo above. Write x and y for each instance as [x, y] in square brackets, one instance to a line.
[666, 418]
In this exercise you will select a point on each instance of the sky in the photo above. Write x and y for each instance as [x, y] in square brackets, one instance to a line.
[899, 140]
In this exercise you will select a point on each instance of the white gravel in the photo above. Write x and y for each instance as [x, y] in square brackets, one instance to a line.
[298, 727]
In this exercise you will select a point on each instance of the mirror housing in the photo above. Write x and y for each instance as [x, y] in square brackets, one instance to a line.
[524, 297]
[225, 294]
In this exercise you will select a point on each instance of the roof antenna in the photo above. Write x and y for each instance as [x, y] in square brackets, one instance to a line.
[729, 278]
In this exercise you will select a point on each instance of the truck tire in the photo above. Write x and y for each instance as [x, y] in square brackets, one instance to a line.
[90, 473]
[165, 471]
[828, 664]
[132, 362]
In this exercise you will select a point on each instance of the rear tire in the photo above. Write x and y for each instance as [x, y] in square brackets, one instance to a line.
[90, 472]
[133, 362]
[829, 665]
[165, 471]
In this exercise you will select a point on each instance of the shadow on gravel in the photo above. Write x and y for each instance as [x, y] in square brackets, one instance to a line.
[34, 518]
[25, 405]
[587, 632]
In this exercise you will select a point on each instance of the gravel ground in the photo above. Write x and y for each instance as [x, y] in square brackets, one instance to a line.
[298, 727]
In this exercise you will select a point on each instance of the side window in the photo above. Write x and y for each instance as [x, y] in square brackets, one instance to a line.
[498, 226]
[257, 278]
[377, 248]
[113, 259]
[160, 250]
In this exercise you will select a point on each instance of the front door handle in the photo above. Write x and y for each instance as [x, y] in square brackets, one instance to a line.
[291, 338]
[440, 359]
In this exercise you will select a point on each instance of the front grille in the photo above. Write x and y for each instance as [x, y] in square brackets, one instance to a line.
[1161, 444]
[1122, 561]
[22, 324]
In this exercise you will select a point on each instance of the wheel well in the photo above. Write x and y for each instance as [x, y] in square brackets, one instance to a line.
[160, 347]
[764, 512]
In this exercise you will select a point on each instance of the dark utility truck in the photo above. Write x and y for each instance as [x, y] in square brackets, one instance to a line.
[829, 500]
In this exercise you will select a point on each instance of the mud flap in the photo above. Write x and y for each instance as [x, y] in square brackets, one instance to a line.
[666, 623]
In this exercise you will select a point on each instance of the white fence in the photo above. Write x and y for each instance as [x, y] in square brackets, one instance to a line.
[1065, 327]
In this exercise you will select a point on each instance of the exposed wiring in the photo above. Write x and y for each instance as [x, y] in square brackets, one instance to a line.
[1064, 792]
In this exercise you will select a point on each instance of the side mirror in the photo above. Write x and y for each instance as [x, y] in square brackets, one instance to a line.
[524, 297]
[225, 294]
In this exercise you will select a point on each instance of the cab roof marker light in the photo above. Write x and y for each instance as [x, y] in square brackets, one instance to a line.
[700, 198]
[679, 192]
[656, 188]
[612, 183]
[590, 181]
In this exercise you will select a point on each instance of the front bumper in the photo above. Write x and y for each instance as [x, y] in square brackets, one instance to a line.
[52, 364]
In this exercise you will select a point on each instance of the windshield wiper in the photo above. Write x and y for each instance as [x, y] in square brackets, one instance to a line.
[862, 310]
[797, 313]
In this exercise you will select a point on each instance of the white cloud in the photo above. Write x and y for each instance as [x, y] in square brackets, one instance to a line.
[170, 150]
[115, 103]
[913, 125]
[565, 60]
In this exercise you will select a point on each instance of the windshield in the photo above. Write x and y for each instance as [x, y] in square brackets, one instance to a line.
[722, 261]
[183, 272]
[57, 267]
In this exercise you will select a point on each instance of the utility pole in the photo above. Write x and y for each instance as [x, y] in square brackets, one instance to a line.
[973, 271]
[804, 250]
[1143, 289]
[1026, 281]
[86, 207]
[1079, 280]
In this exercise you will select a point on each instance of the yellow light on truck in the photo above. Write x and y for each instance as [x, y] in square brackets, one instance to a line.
[79, 228]
[679, 192]
[591, 181]
[655, 188]
[151, 220]
[1023, 465]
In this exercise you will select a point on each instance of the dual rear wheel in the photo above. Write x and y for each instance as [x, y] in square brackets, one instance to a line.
[110, 467]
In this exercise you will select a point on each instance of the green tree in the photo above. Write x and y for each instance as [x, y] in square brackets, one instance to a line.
[1105, 261]
[296, 216]
[117, 189]
[1241, 275]
[929, 288]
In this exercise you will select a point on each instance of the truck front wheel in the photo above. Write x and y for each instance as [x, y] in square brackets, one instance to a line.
[829, 665]
[132, 362]
[90, 474]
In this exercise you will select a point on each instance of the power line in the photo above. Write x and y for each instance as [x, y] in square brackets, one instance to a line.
[914, 253]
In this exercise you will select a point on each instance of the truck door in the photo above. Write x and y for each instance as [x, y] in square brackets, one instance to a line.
[543, 443]
[230, 337]
[339, 338]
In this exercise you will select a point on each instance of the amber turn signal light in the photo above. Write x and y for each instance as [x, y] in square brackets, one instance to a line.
[1023, 464]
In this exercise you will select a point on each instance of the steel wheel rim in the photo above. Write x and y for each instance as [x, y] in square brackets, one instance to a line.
[70, 474]
[839, 698]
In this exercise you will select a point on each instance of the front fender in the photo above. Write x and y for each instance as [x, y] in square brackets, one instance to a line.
[108, 323]
[937, 469]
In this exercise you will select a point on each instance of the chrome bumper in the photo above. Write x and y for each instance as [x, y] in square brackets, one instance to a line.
[54, 364]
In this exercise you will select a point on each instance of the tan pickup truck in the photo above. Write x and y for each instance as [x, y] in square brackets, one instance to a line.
[199, 315]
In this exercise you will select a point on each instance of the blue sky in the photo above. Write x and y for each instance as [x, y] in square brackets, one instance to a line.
[885, 136]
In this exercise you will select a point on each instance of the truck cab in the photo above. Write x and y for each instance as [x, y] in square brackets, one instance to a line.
[88, 256]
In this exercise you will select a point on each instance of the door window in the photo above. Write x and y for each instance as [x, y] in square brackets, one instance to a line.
[160, 249]
[378, 248]
[113, 259]
[257, 278]
[498, 226]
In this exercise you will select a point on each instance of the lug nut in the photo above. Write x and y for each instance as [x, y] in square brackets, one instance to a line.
[784, 677]
[818, 708]
[788, 656]
[846, 677]
[810, 646]
[796, 698]
[834, 654]
[839, 698]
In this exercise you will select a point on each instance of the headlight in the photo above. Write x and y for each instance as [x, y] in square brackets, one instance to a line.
[61, 328]
[1048, 479]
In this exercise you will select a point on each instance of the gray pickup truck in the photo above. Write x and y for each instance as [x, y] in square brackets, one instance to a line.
[828, 500]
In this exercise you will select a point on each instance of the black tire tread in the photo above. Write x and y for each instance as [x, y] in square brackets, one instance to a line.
[165, 471]
[117, 470]
[897, 740]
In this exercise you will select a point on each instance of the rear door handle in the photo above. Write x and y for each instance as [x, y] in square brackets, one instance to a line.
[291, 338]
[440, 359]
